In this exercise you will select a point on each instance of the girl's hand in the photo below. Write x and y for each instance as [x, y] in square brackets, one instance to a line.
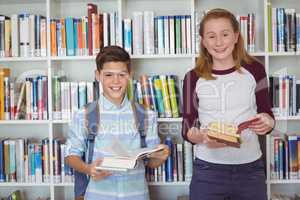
[263, 125]
[97, 174]
[199, 136]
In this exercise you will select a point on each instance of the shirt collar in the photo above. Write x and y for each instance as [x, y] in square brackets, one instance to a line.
[108, 105]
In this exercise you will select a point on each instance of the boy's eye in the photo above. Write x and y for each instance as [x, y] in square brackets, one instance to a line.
[108, 75]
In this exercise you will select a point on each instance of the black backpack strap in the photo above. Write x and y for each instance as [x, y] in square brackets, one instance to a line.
[92, 122]
[141, 121]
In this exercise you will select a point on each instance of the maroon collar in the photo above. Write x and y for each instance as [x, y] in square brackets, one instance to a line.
[223, 72]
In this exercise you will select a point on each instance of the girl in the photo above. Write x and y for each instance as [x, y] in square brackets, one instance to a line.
[229, 86]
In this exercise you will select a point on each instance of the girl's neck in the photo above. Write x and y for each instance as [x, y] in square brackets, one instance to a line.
[223, 64]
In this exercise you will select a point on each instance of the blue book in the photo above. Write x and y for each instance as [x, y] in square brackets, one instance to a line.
[76, 36]
[169, 161]
[127, 37]
[70, 36]
[35, 98]
[2, 174]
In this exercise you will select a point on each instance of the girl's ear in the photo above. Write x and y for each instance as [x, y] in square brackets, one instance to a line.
[236, 35]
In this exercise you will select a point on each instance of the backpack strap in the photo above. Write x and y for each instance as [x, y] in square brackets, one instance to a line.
[141, 121]
[92, 122]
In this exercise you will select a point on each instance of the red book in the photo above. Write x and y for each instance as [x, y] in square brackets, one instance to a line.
[92, 8]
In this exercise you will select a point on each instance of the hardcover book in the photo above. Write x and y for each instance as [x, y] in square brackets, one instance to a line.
[228, 133]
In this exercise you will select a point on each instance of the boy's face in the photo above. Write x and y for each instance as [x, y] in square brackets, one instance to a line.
[114, 78]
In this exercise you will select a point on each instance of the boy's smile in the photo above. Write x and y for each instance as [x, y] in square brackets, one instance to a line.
[114, 78]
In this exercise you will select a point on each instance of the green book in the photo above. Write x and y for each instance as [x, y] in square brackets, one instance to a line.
[173, 99]
[158, 96]
[270, 45]
[166, 96]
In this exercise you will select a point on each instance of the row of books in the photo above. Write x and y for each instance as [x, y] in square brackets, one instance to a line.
[285, 95]
[68, 97]
[248, 28]
[25, 99]
[19, 195]
[146, 34]
[178, 166]
[284, 29]
[285, 197]
[159, 92]
[23, 35]
[83, 36]
[285, 157]
[28, 160]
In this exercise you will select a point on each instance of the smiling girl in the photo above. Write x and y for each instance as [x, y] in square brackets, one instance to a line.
[229, 86]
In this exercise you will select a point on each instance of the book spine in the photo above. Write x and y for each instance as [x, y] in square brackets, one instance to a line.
[166, 35]
[173, 96]
[45, 161]
[298, 32]
[95, 35]
[166, 96]
[32, 29]
[169, 161]
[127, 37]
[251, 32]
[24, 35]
[178, 46]
[137, 32]
[56, 96]
[20, 147]
[160, 35]
[53, 37]
[148, 24]
[37, 36]
[6, 99]
[43, 36]
[15, 35]
[293, 157]
[70, 36]
[2, 160]
[7, 36]
[159, 96]
[92, 8]
[82, 95]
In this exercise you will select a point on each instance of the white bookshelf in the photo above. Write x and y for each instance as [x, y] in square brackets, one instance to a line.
[82, 67]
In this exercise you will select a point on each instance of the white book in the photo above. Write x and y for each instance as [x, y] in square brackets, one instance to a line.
[24, 35]
[119, 158]
[14, 35]
[28, 100]
[112, 28]
[62, 162]
[43, 33]
[188, 160]
[32, 35]
[74, 97]
[167, 34]
[188, 34]
[137, 32]
[20, 145]
[183, 35]
[106, 29]
[172, 34]
[90, 92]
[160, 34]
[148, 24]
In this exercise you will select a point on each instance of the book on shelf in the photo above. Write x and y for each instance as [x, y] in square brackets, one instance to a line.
[121, 159]
[285, 157]
[159, 93]
[178, 166]
[283, 29]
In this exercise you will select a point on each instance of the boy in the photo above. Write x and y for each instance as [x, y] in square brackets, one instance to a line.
[116, 123]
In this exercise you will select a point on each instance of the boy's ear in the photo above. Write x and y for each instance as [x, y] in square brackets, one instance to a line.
[97, 75]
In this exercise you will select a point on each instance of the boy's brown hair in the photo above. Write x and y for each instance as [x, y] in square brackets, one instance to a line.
[204, 61]
[112, 54]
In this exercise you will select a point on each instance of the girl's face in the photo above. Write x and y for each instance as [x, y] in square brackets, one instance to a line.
[219, 39]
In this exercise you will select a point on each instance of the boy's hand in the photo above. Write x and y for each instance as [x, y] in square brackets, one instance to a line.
[162, 154]
[97, 174]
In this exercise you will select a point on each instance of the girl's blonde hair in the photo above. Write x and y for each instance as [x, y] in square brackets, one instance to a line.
[204, 61]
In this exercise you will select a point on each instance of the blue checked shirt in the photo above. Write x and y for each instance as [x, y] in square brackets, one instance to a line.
[116, 122]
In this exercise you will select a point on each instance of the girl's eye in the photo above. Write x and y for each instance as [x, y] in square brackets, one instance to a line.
[211, 37]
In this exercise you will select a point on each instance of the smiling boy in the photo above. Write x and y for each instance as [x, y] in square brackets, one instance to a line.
[116, 123]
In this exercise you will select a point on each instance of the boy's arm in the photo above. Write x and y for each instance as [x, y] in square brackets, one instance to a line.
[152, 140]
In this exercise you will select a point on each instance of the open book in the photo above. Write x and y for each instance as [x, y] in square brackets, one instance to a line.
[128, 160]
[228, 133]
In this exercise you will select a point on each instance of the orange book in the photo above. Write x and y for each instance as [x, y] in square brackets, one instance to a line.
[79, 29]
[4, 72]
[63, 37]
[145, 91]
[95, 27]
[53, 38]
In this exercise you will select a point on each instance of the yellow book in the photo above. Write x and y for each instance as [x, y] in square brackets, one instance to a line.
[4, 72]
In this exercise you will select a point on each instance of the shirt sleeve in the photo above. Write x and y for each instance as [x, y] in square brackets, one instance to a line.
[76, 144]
[190, 103]
[152, 138]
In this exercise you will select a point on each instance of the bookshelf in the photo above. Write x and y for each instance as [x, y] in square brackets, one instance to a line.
[81, 68]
